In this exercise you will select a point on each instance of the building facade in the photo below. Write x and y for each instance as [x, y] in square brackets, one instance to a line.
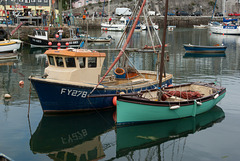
[81, 3]
[34, 7]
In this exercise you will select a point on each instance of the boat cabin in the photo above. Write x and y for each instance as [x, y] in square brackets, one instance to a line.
[74, 65]
[41, 34]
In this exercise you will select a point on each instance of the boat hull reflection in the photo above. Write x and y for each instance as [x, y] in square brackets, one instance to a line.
[73, 136]
[131, 138]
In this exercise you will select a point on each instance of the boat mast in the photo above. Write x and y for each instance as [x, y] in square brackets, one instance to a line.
[124, 46]
[6, 19]
[213, 10]
[163, 44]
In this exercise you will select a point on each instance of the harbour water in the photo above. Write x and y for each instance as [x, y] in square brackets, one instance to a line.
[213, 136]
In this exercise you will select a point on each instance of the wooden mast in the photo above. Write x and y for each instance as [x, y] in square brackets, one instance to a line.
[163, 45]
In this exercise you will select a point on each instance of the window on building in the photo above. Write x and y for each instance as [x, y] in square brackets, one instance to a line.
[82, 62]
[45, 1]
[51, 60]
[39, 0]
[70, 62]
[59, 61]
[32, 0]
[27, 1]
[92, 62]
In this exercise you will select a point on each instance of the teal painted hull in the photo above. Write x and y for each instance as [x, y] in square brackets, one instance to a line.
[136, 112]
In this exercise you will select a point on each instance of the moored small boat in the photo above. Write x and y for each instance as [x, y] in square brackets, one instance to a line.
[40, 38]
[187, 100]
[200, 26]
[204, 49]
[10, 45]
[228, 27]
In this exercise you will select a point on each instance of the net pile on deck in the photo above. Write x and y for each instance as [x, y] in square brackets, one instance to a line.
[182, 94]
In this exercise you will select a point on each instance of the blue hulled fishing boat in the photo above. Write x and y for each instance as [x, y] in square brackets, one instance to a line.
[72, 75]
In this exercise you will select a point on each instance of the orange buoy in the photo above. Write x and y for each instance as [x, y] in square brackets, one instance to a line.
[223, 33]
[59, 44]
[67, 43]
[56, 35]
[50, 43]
[58, 48]
[114, 101]
[21, 84]
[170, 85]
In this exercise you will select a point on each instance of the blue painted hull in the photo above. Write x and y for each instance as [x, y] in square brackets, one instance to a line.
[204, 49]
[55, 97]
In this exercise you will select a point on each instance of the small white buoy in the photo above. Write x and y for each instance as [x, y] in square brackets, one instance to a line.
[216, 96]
[174, 107]
[199, 103]
[7, 96]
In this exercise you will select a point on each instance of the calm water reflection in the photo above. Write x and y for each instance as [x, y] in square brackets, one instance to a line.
[212, 136]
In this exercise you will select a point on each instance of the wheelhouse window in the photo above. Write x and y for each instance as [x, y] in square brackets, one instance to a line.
[82, 62]
[39, 33]
[70, 62]
[59, 61]
[51, 60]
[92, 62]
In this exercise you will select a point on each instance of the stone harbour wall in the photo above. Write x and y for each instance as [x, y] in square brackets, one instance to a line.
[178, 21]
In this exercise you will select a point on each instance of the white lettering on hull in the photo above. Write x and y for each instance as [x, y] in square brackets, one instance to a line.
[74, 93]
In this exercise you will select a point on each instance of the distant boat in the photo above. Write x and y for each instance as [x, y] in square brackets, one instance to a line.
[186, 100]
[10, 45]
[6, 44]
[204, 49]
[40, 38]
[200, 26]
[99, 39]
[171, 28]
[132, 139]
[115, 26]
[119, 25]
[228, 27]
[144, 26]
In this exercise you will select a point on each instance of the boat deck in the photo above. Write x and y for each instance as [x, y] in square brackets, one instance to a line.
[142, 79]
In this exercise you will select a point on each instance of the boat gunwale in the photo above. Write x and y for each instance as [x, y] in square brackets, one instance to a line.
[55, 40]
[144, 101]
[202, 46]
[87, 85]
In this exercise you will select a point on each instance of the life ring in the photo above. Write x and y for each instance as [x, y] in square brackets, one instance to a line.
[3, 34]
